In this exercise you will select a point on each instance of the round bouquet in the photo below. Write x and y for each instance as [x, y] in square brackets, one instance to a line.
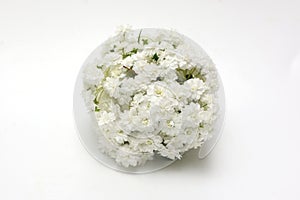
[152, 92]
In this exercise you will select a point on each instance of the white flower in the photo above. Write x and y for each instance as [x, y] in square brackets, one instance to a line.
[111, 85]
[191, 115]
[105, 117]
[159, 90]
[196, 87]
[181, 92]
[171, 152]
[128, 61]
[169, 75]
[123, 29]
[120, 139]
[171, 124]
[149, 71]
[92, 75]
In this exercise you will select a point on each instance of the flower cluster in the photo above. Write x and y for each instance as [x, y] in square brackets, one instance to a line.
[152, 92]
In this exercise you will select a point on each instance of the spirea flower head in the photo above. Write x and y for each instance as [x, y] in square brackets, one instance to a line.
[151, 93]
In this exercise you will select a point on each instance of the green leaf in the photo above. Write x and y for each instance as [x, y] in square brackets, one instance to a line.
[145, 41]
[125, 56]
[204, 105]
[130, 53]
[96, 101]
[134, 51]
[155, 57]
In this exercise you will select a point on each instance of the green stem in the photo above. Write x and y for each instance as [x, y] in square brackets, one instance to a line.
[139, 37]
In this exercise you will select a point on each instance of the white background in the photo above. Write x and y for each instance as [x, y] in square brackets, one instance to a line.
[256, 47]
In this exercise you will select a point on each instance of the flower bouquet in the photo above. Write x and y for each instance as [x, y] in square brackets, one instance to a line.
[151, 93]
